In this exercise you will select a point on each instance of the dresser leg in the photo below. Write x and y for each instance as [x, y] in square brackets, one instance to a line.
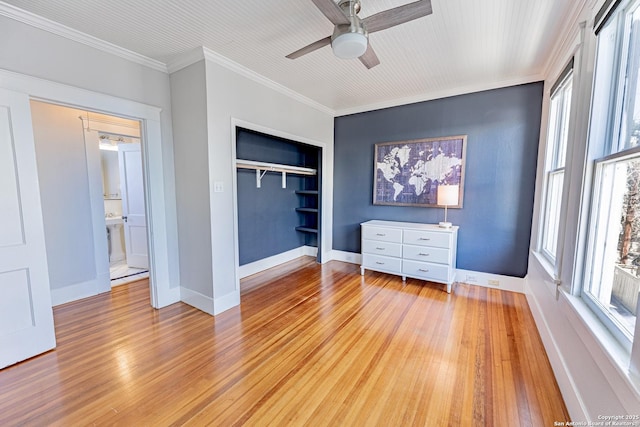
[449, 288]
[404, 278]
[361, 271]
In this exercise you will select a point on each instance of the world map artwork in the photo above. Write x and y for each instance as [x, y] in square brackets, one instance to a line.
[409, 173]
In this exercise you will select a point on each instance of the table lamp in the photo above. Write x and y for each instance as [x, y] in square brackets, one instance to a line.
[447, 196]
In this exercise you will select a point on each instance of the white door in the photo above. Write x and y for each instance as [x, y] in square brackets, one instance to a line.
[133, 213]
[26, 317]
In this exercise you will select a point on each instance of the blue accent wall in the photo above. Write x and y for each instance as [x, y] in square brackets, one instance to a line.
[266, 216]
[502, 128]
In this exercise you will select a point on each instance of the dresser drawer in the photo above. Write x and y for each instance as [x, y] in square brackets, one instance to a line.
[426, 253]
[382, 263]
[393, 235]
[426, 271]
[427, 238]
[378, 247]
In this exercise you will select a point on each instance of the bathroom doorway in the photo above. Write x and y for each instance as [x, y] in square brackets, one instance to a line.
[123, 193]
[93, 199]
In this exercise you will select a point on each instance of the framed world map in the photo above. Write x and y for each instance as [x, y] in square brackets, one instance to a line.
[408, 173]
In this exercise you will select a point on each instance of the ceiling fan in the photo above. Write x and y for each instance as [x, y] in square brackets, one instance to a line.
[350, 38]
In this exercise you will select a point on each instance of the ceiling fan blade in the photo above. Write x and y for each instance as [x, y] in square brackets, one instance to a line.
[332, 11]
[397, 15]
[369, 58]
[310, 48]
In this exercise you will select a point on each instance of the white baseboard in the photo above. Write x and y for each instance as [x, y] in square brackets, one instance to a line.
[487, 280]
[207, 304]
[197, 300]
[79, 291]
[168, 296]
[226, 302]
[352, 257]
[567, 386]
[275, 260]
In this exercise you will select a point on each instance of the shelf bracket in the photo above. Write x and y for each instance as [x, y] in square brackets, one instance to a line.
[284, 179]
[259, 176]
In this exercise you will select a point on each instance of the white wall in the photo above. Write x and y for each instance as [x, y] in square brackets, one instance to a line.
[189, 106]
[232, 96]
[64, 193]
[590, 366]
[28, 50]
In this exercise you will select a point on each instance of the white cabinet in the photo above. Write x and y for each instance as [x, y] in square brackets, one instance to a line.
[420, 251]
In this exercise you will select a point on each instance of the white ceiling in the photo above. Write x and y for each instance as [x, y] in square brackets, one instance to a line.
[464, 45]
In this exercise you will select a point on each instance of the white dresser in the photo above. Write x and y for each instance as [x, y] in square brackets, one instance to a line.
[420, 251]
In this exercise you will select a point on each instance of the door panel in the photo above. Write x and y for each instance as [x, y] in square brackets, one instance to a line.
[12, 230]
[26, 319]
[133, 211]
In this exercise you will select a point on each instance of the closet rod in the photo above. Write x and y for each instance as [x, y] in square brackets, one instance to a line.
[274, 167]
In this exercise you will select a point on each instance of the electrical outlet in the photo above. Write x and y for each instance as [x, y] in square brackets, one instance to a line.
[494, 282]
[218, 187]
[471, 278]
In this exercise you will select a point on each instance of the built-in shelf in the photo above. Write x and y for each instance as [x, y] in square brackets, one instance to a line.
[307, 230]
[310, 211]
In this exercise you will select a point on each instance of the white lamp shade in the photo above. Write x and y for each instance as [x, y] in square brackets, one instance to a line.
[349, 45]
[448, 195]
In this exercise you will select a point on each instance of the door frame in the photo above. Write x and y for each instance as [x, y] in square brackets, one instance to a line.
[325, 182]
[161, 291]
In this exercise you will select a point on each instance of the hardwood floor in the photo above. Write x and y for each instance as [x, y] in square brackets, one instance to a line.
[310, 345]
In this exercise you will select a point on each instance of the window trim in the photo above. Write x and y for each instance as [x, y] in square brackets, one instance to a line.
[551, 162]
[601, 313]
[599, 155]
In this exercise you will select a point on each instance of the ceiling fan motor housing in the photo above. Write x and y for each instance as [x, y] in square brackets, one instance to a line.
[350, 41]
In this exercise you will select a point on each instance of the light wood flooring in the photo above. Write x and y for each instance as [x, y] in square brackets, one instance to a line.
[310, 345]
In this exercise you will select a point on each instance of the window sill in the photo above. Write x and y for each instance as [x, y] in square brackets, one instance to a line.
[545, 264]
[611, 356]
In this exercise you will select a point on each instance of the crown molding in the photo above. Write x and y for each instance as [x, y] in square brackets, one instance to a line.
[202, 52]
[460, 90]
[561, 52]
[185, 59]
[53, 27]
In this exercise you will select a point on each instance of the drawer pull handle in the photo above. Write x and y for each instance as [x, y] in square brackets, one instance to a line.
[380, 234]
[424, 238]
[379, 263]
[380, 249]
[421, 254]
[423, 270]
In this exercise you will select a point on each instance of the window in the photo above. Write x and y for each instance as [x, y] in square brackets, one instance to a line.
[612, 276]
[554, 162]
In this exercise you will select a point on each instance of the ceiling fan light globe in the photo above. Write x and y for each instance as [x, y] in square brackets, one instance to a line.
[349, 45]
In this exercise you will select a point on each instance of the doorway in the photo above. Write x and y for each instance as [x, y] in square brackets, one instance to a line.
[26, 326]
[91, 183]
[310, 195]
[123, 192]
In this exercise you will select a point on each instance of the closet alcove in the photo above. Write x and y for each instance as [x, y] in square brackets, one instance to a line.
[278, 194]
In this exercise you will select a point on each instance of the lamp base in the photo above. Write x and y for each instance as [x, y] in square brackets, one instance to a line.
[445, 224]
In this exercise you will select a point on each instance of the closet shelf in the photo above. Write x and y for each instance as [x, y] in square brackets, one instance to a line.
[313, 210]
[274, 167]
[263, 167]
[307, 230]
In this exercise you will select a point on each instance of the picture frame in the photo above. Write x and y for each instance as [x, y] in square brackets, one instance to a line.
[408, 173]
